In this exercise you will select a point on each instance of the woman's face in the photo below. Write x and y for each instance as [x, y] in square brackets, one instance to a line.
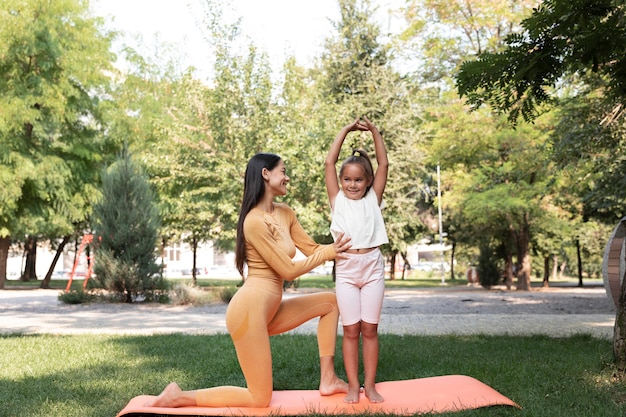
[276, 180]
[354, 181]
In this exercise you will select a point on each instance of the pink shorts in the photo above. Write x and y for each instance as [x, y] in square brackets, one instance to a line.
[360, 287]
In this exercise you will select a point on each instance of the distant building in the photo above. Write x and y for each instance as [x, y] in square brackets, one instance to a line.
[176, 259]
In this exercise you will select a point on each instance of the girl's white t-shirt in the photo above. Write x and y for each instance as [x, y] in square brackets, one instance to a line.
[361, 219]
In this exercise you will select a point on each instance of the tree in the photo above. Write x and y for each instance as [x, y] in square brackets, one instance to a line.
[54, 59]
[126, 222]
[497, 181]
[195, 137]
[587, 146]
[566, 40]
[357, 79]
[304, 126]
[560, 37]
[441, 34]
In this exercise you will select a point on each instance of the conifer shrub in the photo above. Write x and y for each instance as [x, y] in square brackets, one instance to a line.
[126, 221]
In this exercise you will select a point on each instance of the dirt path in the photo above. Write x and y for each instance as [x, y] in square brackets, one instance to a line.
[455, 310]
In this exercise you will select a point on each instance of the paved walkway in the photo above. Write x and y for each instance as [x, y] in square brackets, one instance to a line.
[439, 311]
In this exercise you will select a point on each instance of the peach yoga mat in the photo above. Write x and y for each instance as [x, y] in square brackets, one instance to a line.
[415, 396]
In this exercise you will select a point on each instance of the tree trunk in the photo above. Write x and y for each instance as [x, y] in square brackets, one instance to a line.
[392, 270]
[5, 243]
[562, 269]
[31, 260]
[523, 254]
[46, 281]
[508, 270]
[580, 263]
[555, 267]
[404, 264]
[194, 248]
[546, 271]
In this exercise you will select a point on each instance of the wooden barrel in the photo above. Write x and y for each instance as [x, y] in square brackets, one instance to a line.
[613, 262]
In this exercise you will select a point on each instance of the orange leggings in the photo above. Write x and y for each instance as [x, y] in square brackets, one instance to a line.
[255, 313]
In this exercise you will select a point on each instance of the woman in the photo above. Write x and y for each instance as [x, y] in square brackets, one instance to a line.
[268, 234]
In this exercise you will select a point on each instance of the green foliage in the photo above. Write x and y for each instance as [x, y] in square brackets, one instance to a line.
[568, 56]
[126, 221]
[488, 268]
[53, 59]
[497, 181]
[441, 34]
[492, 176]
[561, 37]
[358, 79]
[227, 293]
[203, 135]
[589, 152]
[54, 79]
[59, 94]
[75, 297]
[355, 55]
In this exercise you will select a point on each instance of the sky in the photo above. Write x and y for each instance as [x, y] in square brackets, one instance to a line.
[279, 27]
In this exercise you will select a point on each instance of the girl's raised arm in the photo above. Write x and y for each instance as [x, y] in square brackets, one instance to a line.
[382, 169]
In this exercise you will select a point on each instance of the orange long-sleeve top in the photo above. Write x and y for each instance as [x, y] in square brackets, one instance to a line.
[271, 242]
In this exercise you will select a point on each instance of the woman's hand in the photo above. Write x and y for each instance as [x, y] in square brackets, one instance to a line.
[342, 244]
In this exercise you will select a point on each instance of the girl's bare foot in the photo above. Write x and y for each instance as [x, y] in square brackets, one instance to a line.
[353, 396]
[167, 398]
[373, 395]
[333, 386]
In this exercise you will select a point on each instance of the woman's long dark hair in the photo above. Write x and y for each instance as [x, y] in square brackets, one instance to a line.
[253, 191]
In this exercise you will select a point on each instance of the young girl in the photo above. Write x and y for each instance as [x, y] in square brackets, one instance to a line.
[360, 276]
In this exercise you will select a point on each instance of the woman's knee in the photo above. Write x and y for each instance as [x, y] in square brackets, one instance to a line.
[328, 299]
[262, 397]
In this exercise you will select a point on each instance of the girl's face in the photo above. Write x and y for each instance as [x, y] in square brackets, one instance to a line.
[276, 180]
[353, 181]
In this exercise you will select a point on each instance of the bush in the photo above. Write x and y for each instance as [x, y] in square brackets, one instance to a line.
[184, 293]
[227, 293]
[75, 297]
[125, 279]
[488, 271]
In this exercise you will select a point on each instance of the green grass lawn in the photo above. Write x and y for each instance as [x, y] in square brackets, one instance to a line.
[414, 279]
[326, 282]
[95, 376]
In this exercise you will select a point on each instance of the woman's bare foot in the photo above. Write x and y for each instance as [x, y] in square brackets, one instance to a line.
[333, 386]
[167, 398]
[353, 395]
[373, 395]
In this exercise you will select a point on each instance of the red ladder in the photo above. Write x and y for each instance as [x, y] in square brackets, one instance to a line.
[87, 239]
